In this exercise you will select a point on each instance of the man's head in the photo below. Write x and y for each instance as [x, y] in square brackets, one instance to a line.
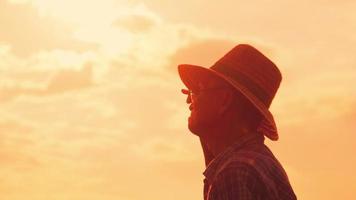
[249, 73]
[220, 105]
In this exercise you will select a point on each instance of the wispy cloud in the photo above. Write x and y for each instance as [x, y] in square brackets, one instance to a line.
[135, 23]
[62, 81]
[27, 32]
[203, 52]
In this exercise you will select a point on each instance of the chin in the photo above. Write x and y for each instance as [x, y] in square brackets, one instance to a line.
[196, 127]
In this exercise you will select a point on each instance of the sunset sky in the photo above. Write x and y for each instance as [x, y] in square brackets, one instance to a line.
[90, 100]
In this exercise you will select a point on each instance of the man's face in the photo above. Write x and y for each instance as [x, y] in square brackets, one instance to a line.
[205, 106]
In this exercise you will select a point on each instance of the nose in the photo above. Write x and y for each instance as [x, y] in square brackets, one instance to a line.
[189, 98]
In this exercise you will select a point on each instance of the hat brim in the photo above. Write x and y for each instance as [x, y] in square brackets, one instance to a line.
[193, 76]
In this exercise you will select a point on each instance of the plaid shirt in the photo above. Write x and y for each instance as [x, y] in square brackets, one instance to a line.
[247, 170]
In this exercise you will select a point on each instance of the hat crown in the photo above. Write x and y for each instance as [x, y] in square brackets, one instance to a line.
[248, 66]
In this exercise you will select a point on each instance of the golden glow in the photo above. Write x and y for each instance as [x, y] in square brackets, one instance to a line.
[90, 99]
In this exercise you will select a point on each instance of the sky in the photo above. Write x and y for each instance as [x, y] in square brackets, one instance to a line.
[90, 100]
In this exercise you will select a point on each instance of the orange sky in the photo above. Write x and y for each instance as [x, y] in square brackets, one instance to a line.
[90, 99]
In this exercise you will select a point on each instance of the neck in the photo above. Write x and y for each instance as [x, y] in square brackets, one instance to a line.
[219, 137]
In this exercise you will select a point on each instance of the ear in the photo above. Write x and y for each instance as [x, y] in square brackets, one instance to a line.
[226, 100]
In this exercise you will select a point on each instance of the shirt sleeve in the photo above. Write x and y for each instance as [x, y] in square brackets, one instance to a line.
[234, 183]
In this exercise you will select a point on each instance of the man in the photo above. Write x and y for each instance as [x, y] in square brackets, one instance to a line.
[229, 105]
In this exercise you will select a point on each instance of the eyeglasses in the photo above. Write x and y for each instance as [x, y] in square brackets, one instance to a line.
[192, 94]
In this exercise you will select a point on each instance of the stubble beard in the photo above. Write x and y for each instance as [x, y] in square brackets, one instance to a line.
[200, 128]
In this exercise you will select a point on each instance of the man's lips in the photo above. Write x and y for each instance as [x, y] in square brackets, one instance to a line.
[191, 107]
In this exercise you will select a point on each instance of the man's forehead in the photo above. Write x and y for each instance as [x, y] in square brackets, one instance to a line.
[210, 83]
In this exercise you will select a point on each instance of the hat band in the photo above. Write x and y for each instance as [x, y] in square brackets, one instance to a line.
[242, 79]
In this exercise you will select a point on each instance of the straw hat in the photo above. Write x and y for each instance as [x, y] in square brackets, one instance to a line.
[247, 70]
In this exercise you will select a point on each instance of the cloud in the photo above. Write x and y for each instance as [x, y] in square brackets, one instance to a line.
[204, 52]
[80, 139]
[164, 150]
[310, 144]
[62, 81]
[135, 23]
[28, 33]
[16, 140]
[66, 80]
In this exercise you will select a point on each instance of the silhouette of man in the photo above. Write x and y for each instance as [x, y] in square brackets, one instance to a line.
[229, 105]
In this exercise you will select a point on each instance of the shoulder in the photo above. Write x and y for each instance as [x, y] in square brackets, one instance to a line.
[238, 180]
[238, 172]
